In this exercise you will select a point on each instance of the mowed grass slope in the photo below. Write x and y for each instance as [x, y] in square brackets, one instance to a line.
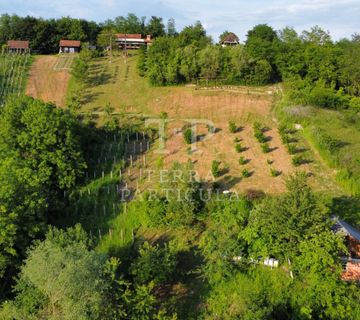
[116, 83]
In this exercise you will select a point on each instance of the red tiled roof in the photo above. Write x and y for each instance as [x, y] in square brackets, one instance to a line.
[69, 43]
[231, 37]
[18, 44]
[129, 36]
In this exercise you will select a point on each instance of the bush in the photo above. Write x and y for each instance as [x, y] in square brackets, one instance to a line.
[154, 263]
[325, 141]
[238, 148]
[269, 161]
[188, 136]
[328, 98]
[355, 103]
[233, 127]
[298, 160]
[259, 135]
[237, 139]
[242, 161]
[215, 168]
[291, 148]
[257, 126]
[285, 138]
[246, 173]
[274, 172]
[265, 147]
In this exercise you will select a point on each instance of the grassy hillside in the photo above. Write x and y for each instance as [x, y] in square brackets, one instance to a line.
[115, 90]
[334, 135]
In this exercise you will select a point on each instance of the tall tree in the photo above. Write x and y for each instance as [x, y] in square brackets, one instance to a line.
[155, 27]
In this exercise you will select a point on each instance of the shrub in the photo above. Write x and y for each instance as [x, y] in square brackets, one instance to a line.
[154, 263]
[297, 160]
[257, 126]
[325, 141]
[355, 103]
[215, 168]
[242, 161]
[269, 161]
[285, 138]
[188, 136]
[327, 98]
[291, 148]
[238, 148]
[265, 147]
[237, 139]
[274, 172]
[260, 137]
[246, 173]
[233, 127]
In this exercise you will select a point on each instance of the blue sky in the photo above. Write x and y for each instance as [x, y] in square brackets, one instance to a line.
[340, 17]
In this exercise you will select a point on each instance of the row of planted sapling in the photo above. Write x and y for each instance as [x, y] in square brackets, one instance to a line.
[290, 141]
[259, 134]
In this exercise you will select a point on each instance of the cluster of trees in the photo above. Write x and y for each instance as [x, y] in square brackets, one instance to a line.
[191, 56]
[316, 69]
[40, 159]
[44, 34]
[64, 278]
[133, 24]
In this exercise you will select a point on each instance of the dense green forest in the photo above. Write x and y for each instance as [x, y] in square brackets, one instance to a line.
[178, 254]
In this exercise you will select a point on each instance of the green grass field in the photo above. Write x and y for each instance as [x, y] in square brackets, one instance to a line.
[334, 135]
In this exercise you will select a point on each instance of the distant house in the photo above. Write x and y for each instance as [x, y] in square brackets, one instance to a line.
[352, 240]
[18, 46]
[132, 41]
[231, 39]
[69, 46]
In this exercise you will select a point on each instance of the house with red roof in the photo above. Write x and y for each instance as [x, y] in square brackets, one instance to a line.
[126, 41]
[18, 46]
[69, 46]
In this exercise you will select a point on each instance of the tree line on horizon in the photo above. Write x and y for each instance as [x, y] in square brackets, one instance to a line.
[44, 34]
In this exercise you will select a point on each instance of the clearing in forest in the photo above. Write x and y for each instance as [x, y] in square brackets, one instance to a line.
[48, 79]
[118, 84]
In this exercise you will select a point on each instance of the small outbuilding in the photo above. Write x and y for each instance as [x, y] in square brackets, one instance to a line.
[69, 46]
[231, 39]
[18, 46]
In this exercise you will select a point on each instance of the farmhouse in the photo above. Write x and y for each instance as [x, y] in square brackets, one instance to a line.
[352, 240]
[69, 46]
[18, 46]
[132, 41]
[230, 39]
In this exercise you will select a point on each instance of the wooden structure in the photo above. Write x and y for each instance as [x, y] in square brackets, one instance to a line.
[352, 240]
[132, 41]
[18, 46]
[231, 39]
[69, 46]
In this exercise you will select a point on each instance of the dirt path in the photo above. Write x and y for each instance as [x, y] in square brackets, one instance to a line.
[45, 83]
